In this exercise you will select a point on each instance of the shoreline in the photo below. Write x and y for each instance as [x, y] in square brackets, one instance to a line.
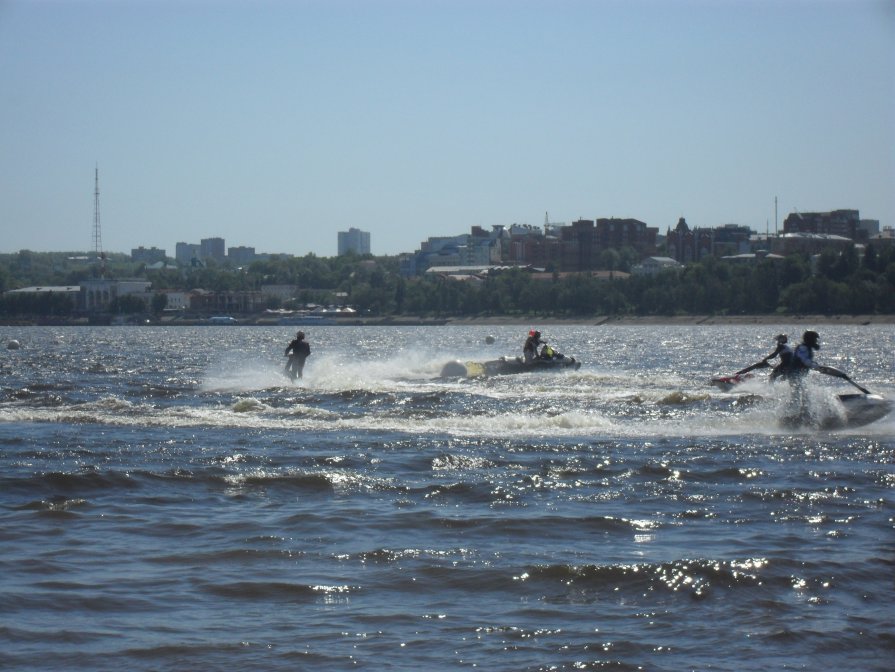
[685, 320]
[527, 321]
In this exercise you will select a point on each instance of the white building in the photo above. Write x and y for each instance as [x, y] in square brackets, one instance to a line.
[655, 265]
[99, 293]
[177, 300]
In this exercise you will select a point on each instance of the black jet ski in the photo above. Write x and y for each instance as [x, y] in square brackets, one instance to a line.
[507, 366]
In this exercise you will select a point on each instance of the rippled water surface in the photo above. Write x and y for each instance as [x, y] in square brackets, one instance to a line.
[170, 502]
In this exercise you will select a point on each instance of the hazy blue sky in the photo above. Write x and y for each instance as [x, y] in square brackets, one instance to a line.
[277, 124]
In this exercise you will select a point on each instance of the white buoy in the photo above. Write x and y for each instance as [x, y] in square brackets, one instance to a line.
[13, 345]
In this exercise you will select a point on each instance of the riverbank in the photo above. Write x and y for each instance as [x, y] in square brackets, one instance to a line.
[683, 320]
[528, 321]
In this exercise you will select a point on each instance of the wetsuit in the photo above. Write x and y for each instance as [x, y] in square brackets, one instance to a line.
[785, 354]
[300, 352]
[530, 349]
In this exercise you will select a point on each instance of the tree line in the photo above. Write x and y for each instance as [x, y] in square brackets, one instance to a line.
[835, 282]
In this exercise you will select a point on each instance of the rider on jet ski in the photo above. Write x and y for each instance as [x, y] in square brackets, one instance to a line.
[782, 350]
[530, 349]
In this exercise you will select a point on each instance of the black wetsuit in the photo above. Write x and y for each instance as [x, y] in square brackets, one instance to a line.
[300, 352]
[530, 349]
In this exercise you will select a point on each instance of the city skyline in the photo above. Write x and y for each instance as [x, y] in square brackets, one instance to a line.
[842, 224]
[276, 125]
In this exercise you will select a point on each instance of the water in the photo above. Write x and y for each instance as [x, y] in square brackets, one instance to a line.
[170, 502]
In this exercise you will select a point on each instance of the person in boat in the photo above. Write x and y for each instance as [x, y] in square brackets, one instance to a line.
[300, 350]
[530, 349]
[783, 351]
[547, 352]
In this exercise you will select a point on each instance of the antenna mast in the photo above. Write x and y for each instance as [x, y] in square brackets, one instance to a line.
[97, 229]
[775, 217]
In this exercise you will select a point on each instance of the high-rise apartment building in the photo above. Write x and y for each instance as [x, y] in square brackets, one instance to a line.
[186, 254]
[213, 248]
[354, 240]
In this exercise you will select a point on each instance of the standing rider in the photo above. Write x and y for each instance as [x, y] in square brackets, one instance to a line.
[301, 350]
[530, 349]
[782, 350]
[802, 360]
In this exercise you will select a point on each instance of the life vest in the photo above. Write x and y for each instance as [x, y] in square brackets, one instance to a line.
[797, 359]
[786, 356]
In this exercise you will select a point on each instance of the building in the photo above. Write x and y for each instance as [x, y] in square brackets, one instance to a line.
[731, 240]
[753, 257]
[212, 248]
[439, 251]
[278, 293]
[98, 294]
[578, 243]
[688, 245]
[615, 233]
[809, 243]
[578, 247]
[656, 265]
[187, 254]
[844, 223]
[241, 255]
[870, 226]
[202, 301]
[176, 299]
[148, 256]
[354, 240]
[534, 248]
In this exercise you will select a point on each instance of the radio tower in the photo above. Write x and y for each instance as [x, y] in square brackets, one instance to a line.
[97, 229]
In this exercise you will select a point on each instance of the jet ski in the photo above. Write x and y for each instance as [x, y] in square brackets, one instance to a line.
[859, 409]
[727, 383]
[507, 365]
[862, 409]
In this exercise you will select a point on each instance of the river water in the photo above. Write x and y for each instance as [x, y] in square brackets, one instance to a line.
[170, 501]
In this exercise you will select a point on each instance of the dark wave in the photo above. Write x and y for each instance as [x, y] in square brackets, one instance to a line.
[273, 590]
[57, 504]
[88, 599]
[548, 525]
[33, 398]
[225, 556]
[76, 482]
[691, 577]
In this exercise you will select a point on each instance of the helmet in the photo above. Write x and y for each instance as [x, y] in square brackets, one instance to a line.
[532, 332]
[811, 339]
[537, 334]
[781, 338]
[300, 335]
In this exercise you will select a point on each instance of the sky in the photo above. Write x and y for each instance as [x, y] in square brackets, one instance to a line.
[276, 124]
